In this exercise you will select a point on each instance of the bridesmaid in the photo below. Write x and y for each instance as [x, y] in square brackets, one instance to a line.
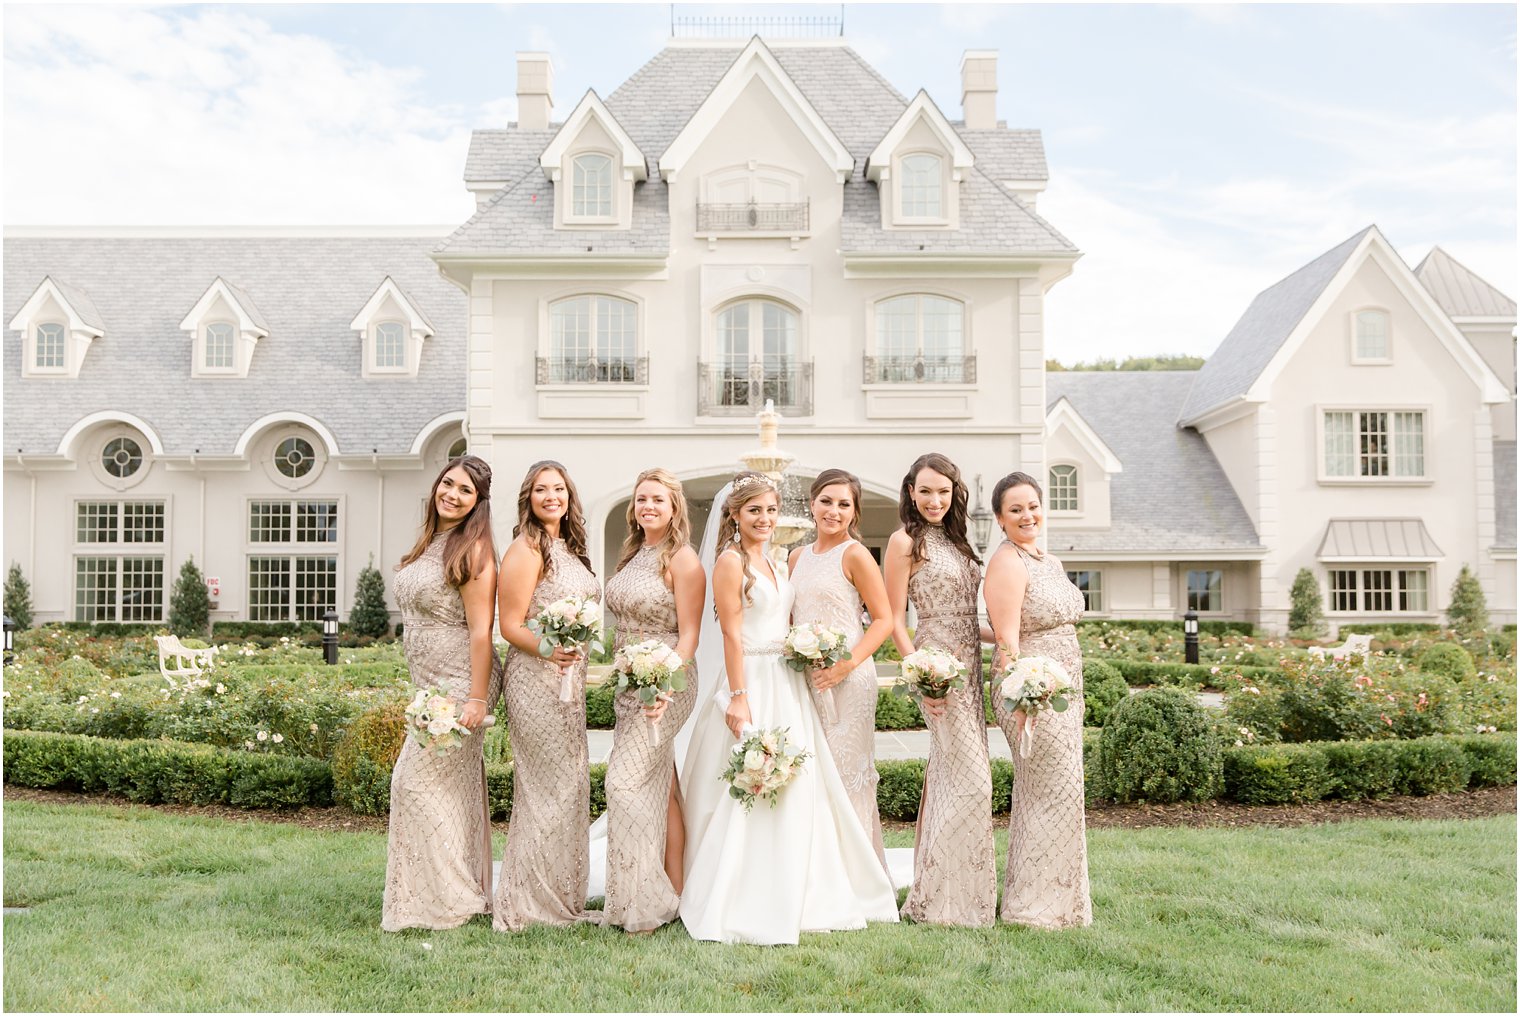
[656, 593]
[833, 577]
[438, 854]
[1033, 608]
[546, 865]
[930, 561]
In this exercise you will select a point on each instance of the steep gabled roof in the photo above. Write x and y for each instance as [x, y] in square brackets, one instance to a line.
[1460, 292]
[75, 302]
[921, 108]
[591, 108]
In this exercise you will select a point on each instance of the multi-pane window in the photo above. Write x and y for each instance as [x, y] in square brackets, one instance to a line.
[293, 522]
[219, 345]
[390, 345]
[1091, 584]
[1371, 335]
[1380, 590]
[920, 338]
[593, 338]
[121, 457]
[1063, 489]
[119, 522]
[292, 588]
[294, 457]
[757, 340]
[1204, 590]
[119, 587]
[50, 345]
[591, 186]
[921, 187]
[1361, 443]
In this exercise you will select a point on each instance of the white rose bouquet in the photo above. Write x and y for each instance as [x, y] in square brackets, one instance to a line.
[432, 720]
[567, 624]
[761, 764]
[650, 669]
[930, 673]
[815, 647]
[1034, 684]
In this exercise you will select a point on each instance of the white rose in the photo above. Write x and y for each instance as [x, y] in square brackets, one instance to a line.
[278, 738]
[670, 659]
[805, 643]
[754, 761]
[263, 735]
[438, 705]
[441, 725]
[643, 666]
[770, 742]
[565, 610]
[590, 613]
[828, 639]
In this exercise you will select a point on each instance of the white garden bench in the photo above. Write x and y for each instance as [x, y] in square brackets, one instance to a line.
[175, 659]
[1355, 645]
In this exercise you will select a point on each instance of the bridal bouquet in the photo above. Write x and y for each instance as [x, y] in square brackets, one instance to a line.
[1033, 684]
[930, 673]
[567, 624]
[815, 647]
[433, 721]
[760, 766]
[651, 669]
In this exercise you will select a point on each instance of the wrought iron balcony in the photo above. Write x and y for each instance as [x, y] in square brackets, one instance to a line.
[557, 370]
[891, 370]
[752, 217]
[740, 389]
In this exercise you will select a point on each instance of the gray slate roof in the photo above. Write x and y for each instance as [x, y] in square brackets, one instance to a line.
[1504, 495]
[1460, 292]
[77, 299]
[857, 104]
[1231, 369]
[307, 290]
[1172, 495]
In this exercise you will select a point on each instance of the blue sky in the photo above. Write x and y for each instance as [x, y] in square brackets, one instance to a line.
[1198, 153]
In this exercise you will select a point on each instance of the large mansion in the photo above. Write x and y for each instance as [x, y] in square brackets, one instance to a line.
[737, 223]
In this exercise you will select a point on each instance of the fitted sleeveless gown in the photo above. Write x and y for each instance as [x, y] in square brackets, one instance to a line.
[1045, 880]
[438, 851]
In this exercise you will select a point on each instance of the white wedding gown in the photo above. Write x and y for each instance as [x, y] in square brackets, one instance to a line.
[766, 875]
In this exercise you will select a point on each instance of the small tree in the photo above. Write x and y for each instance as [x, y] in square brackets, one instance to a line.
[18, 597]
[1306, 614]
[1468, 610]
[370, 616]
[190, 603]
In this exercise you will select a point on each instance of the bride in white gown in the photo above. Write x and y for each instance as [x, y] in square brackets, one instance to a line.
[807, 864]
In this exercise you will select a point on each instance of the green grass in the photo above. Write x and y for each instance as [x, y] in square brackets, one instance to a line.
[135, 909]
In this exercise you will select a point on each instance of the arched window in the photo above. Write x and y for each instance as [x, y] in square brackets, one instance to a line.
[220, 345]
[592, 338]
[50, 347]
[921, 187]
[920, 338]
[757, 356]
[121, 457]
[591, 186]
[1371, 342]
[390, 345]
[1063, 495]
[294, 457]
[458, 449]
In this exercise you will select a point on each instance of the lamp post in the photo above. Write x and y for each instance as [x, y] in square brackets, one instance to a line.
[10, 631]
[1190, 635]
[981, 519]
[330, 636]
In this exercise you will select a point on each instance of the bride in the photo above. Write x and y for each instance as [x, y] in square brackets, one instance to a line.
[806, 864]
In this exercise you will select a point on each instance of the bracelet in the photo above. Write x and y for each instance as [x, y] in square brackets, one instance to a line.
[480, 700]
[736, 692]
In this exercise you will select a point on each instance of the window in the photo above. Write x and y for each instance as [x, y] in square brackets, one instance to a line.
[293, 522]
[1368, 444]
[1063, 489]
[121, 457]
[1380, 590]
[294, 457]
[1203, 591]
[294, 588]
[50, 347]
[390, 345]
[458, 449]
[1371, 341]
[757, 356]
[591, 186]
[592, 338]
[125, 587]
[920, 338]
[1091, 584]
[119, 522]
[220, 348]
[921, 187]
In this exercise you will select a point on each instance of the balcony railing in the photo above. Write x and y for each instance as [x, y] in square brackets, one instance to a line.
[892, 370]
[752, 217]
[740, 389]
[556, 370]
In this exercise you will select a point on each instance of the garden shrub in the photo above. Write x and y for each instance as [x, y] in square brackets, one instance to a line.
[1103, 687]
[899, 787]
[1432, 765]
[1363, 768]
[1388, 630]
[1277, 774]
[897, 712]
[1204, 627]
[1158, 746]
[600, 714]
[361, 765]
[1490, 759]
[1467, 610]
[1184, 675]
[499, 790]
[1002, 785]
[1306, 613]
[17, 597]
[369, 615]
[189, 602]
[1448, 659]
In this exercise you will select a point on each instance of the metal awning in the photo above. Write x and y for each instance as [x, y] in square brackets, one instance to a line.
[1378, 540]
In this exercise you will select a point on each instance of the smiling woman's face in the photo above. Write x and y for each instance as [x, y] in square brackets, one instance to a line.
[757, 516]
[549, 497]
[454, 497]
[932, 493]
[1020, 514]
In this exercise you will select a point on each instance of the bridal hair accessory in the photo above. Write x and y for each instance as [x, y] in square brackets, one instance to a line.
[746, 486]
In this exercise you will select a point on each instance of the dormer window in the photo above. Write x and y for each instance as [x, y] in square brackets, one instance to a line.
[1370, 337]
[220, 346]
[57, 324]
[390, 345]
[592, 186]
[1064, 491]
[393, 328]
[921, 193]
[224, 326]
[918, 167]
[50, 348]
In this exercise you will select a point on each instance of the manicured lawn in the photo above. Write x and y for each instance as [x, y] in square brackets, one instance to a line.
[134, 910]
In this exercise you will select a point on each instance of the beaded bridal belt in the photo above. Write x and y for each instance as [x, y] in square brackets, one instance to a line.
[768, 649]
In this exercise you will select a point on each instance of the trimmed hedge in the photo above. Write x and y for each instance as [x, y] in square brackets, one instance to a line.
[1350, 770]
[1204, 627]
[173, 772]
[1159, 746]
[1182, 675]
[1395, 629]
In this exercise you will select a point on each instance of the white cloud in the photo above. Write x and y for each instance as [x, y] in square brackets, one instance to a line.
[971, 17]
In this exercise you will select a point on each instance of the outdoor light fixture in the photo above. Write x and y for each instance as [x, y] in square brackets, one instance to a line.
[10, 629]
[330, 636]
[1190, 636]
[981, 519]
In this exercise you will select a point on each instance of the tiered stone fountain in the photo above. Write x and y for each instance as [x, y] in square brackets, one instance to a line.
[794, 523]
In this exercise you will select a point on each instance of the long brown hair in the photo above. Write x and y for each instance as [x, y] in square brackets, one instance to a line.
[748, 485]
[828, 478]
[677, 534]
[473, 531]
[954, 525]
[572, 527]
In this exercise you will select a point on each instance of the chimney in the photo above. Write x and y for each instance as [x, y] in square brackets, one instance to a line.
[979, 88]
[534, 76]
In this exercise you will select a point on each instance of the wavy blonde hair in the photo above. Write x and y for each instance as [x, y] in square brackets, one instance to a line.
[747, 486]
[677, 534]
